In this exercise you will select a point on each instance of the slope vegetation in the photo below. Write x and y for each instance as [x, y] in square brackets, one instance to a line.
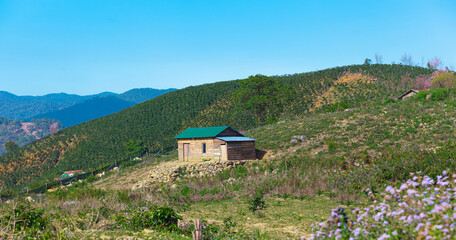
[103, 140]
[22, 132]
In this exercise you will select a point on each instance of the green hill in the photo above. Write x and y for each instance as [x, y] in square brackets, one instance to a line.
[102, 141]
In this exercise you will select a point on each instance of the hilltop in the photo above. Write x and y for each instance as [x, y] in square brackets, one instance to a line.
[102, 141]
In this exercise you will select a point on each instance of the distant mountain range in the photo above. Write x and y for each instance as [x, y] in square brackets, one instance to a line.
[71, 109]
[24, 119]
[25, 107]
[101, 105]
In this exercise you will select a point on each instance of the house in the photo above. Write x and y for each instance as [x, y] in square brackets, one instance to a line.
[68, 174]
[410, 93]
[214, 143]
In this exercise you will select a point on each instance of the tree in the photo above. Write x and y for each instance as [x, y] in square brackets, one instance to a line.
[10, 146]
[406, 59]
[434, 63]
[136, 148]
[263, 95]
[378, 59]
[367, 61]
[444, 79]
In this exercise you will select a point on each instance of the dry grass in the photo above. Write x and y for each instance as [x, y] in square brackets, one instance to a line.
[284, 218]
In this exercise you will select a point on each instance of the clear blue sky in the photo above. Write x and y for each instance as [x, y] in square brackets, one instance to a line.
[90, 46]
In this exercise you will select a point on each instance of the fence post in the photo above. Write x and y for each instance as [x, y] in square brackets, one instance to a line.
[197, 234]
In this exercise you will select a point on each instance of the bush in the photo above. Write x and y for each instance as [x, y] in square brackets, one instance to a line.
[439, 94]
[257, 204]
[163, 218]
[25, 217]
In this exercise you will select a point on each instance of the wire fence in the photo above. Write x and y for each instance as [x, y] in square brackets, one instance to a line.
[82, 176]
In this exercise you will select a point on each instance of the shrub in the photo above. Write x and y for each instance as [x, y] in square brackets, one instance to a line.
[25, 217]
[439, 94]
[257, 204]
[90, 179]
[163, 218]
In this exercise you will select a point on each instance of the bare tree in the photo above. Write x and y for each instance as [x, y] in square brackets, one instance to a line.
[378, 58]
[406, 59]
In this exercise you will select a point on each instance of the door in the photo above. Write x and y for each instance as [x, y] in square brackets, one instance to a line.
[186, 152]
[224, 152]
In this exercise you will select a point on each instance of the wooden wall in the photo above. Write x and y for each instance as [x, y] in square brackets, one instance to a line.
[241, 150]
[229, 133]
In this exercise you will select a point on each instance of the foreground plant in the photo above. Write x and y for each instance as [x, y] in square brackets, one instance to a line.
[420, 208]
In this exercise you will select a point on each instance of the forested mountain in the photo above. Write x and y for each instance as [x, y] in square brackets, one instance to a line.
[22, 132]
[28, 107]
[95, 143]
[87, 110]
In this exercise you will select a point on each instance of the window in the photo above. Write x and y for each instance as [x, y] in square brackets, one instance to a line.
[204, 148]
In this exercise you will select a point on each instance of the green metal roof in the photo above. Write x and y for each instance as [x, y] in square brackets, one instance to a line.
[201, 132]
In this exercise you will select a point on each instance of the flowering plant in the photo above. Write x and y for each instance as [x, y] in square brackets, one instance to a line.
[420, 208]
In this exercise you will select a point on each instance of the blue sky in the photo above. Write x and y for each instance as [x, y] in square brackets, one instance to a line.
[87, 46]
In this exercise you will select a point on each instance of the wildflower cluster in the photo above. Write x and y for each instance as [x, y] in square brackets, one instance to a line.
[420, 208]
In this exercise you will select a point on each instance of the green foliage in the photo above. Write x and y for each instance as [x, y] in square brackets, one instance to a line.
[163, 218]
[337, 107]
[90, 178]
[10, 146]
[444, 79]
[136, 148]
[263, 96]
[439, 94]
[25, 217]
[228, 224]
[257, 203]
[435, 94]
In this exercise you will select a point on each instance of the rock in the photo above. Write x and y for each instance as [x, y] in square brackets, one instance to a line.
[298, 138]
[68, 203]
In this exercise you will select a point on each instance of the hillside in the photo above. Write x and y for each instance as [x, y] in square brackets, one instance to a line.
[22, 132]
[103, 140]
[343, 153]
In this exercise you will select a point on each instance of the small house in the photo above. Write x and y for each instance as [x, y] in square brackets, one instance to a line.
[68, 174]
[214, 143]
[410, 93]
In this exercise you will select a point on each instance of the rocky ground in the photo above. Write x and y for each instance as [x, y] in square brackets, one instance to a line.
[177, 170]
